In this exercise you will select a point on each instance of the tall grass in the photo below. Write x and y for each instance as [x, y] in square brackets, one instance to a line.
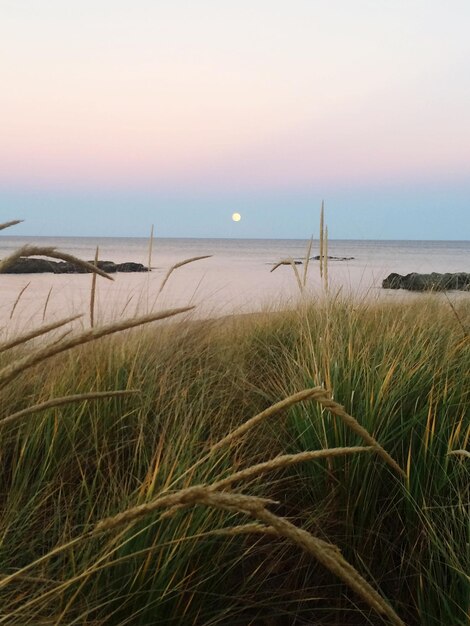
[134, 508]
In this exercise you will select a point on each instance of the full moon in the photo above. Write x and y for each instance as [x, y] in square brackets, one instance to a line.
[236, 217]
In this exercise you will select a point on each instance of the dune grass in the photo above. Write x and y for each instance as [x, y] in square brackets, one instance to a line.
[135, 508]
[131, 463]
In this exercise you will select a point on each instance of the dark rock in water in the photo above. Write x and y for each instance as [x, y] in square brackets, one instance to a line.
[393, 281]
[333, 258]
[130, 267]
[31, 266]
[106, 266]
[428, 282]
[312, 258]
[39, 266]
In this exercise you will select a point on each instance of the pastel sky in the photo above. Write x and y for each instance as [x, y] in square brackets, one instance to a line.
[116, 114]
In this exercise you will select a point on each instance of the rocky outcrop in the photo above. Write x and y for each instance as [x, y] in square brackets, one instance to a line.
[428, 282]
[40, 266]
[130, 267]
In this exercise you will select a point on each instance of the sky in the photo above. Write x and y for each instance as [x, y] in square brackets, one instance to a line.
[119, 114]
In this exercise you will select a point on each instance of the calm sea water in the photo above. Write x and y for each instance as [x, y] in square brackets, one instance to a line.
[236, 278]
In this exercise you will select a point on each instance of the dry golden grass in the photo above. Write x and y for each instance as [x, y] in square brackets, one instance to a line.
[8, 373]
[15, 304]
[325, 261]
[322, 237]
[210, 495]
[187, 397]
[93, 289]
[245, 529]
[463, 453]
[327, 554]
[11, 223]
[149, 262]
[46, 303]
[287, 460]
[37, 332]
[56, 402]
[181, 264]
[277, 463]
[292, 263]
[307, 262]
[318, 394]
[354, 425]
[275, 409]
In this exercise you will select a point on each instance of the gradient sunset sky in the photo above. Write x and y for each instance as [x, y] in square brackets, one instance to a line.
[119, 114]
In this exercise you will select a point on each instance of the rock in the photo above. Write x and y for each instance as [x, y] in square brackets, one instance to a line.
[393, 281]
[333, 258]
[107, 266]
[30, 266]
[130, 267]
[428, 282]
[39, 266]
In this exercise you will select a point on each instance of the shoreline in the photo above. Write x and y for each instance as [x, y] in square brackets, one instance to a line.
[236, 279]
[27, 315]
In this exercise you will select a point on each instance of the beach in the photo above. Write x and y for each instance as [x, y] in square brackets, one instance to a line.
[237, 278]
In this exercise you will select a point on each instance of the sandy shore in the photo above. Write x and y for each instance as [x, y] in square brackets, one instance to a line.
[215, 287]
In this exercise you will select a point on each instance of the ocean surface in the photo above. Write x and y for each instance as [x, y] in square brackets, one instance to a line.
[235, 279]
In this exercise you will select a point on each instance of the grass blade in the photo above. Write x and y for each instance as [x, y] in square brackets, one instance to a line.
[180, 264]
[55, 402]
[37, 332]
[93, 290]
[18, 299]
[8, 224]
[10, 372]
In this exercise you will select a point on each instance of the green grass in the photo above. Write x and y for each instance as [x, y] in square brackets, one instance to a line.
[401, 369]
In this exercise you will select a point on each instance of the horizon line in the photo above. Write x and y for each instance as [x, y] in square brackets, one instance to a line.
[225, 238]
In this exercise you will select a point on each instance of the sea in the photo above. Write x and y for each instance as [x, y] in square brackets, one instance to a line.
[235, 278]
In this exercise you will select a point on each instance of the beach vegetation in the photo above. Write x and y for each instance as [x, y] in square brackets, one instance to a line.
[304, 465]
